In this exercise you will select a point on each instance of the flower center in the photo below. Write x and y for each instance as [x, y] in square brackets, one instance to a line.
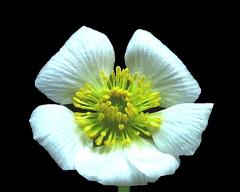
[114, 112]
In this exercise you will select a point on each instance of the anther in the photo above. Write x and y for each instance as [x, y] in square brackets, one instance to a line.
[101, 116]
[121, 127]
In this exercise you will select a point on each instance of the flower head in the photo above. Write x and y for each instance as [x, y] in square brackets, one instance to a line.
[112, 137]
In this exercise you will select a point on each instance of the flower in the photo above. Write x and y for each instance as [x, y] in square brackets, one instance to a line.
[111, 137]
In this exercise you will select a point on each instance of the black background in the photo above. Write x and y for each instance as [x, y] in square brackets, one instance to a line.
[196, 37]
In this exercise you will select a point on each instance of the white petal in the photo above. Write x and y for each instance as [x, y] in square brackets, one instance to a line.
[147, 55]
[149, 160]
[54, 128]
[79, 61]
[108, 166]
[181, 128]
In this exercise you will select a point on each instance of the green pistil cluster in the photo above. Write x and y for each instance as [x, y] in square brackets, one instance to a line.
[115, 113]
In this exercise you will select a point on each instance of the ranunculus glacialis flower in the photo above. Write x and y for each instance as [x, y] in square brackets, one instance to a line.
[112, 136]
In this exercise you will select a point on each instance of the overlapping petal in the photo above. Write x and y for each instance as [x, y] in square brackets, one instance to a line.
[108, 166]
[145, 156]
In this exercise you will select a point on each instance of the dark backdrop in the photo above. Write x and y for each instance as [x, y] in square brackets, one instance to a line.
[195, 37]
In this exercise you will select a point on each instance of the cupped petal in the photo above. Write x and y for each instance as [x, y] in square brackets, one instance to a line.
[149, 56]
[54, 128]
[79, 61]
[181, 128]
[108, 166]
[146, 157]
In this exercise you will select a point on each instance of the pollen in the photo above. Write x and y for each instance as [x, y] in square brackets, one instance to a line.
[115, 111]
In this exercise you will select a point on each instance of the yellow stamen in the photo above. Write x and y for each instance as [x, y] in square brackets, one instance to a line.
[101, 116]
[121, 127]
[115, 110]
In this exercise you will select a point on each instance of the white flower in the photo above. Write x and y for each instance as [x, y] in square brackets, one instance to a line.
[111, 137]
